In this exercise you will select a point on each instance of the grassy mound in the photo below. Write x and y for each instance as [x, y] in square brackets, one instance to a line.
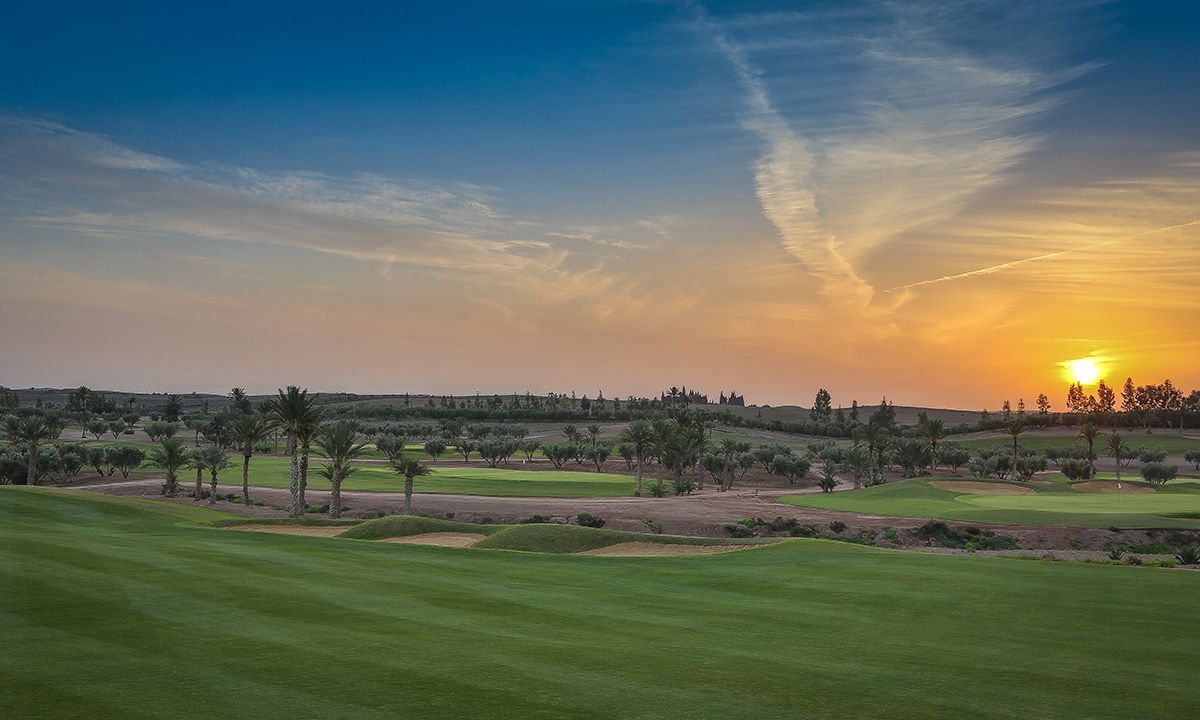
[405, 525]
[554, 538]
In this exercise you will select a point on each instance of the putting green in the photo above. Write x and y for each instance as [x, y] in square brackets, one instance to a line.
[1176, 505]
[115, 608]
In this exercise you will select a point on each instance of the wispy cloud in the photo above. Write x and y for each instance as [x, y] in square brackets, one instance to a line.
[924, 128]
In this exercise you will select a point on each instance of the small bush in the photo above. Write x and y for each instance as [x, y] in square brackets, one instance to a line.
[657, 490]
[655, 527]
[1114, 552]
[587, 519]
[1189, 555]
[534, 519]
[891, 535]
[737, 531]
[837, 527]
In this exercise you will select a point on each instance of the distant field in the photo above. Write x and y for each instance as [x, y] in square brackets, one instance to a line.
[1174, 443]
[1176, 505]
[122, 608]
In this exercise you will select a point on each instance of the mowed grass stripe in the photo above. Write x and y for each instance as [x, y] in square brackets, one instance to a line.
[179, 621]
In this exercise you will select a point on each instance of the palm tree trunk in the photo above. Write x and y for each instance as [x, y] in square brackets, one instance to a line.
[199, 483]
[294, 508]
[31, 470]
[212, 492]
[335, 496]
[303, 475]
[639, 479]
[408, 488]
[246, 479]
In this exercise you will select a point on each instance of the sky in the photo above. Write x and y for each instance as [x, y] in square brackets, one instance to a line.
[943, 203]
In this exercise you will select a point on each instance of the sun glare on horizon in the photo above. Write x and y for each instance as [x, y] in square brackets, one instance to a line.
[1085, 371]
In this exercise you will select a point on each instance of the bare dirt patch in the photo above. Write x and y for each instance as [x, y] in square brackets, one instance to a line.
[980, 488]
[649, 549]
[312, 530]
[441, 539]
[1109, 486]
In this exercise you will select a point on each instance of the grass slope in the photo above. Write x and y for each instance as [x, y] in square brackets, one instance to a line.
[1051, 504]
[405, 525]
[114, 609]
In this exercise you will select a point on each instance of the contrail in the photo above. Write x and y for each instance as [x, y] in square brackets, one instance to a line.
[1037, 258]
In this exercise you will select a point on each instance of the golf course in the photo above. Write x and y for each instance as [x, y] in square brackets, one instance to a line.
[153, 610]
[1055, 502]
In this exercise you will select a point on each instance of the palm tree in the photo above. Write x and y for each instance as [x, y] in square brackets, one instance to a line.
[1089, 432]
[857, 462]
[593, 432]
[196, 460]
[641, 436]
[338, 442]
[298, 416]
[29, 431]
[1015, 428]
[171, 457]
[248, 431]
[934, 430]
[1117, 447]
[409, 467]
[213, 459]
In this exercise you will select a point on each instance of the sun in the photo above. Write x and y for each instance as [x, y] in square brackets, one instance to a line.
[1085, 371]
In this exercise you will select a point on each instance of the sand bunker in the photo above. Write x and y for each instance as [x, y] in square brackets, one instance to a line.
[980, 488]
[442, 539]
[651, 549]
[1109, 486]
[314, 530]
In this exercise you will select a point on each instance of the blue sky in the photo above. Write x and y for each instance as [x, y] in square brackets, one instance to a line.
[621, 156]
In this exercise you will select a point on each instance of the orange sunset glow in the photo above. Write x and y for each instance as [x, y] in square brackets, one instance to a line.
[957, 224]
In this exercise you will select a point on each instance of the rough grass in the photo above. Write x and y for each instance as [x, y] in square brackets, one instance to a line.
[1052, 504]
[112, 608]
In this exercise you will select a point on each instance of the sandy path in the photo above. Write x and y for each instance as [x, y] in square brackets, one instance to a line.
[441, 539]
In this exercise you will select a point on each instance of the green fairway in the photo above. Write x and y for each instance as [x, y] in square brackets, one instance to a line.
[120, 608]
[1174, 443]
[477, 480]
[1176, 505]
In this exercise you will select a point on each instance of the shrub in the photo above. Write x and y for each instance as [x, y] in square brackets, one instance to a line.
[534, 519]
[1076, 469]
[737, 531]
[891, 535]
[655, 527]
[1114, 552]
[681, 486]
[587, 519]
[837, 527]
[1193, 456]
[1189, 555]
[657, 489]
[1147, 456]
[1158, 472]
